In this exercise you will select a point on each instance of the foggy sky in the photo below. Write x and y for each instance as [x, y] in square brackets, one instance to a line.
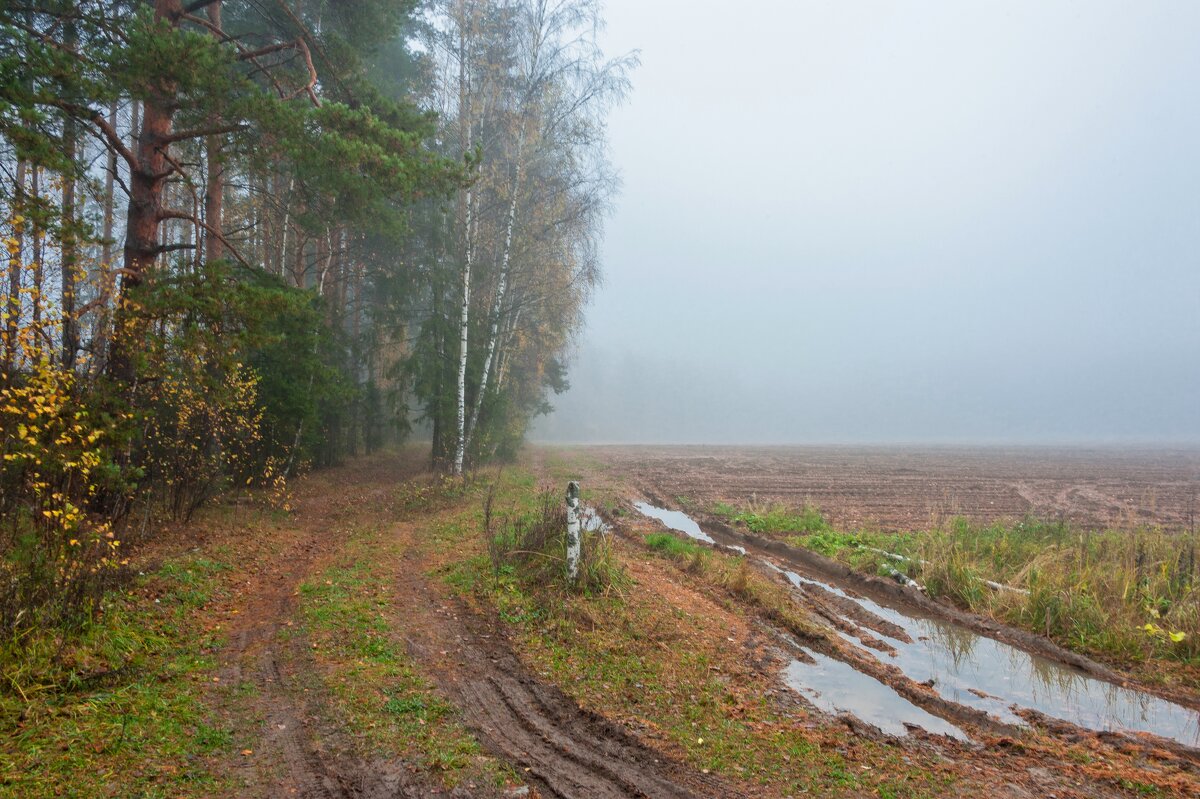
[899, 221]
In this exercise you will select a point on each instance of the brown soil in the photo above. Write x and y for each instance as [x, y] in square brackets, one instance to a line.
[906, 488]
[565, 750]
[551, 737]
[300, 752]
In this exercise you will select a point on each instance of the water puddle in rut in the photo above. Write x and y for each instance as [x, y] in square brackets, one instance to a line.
[958, 660]
[965, 667]
[676, 520]
[834, 687]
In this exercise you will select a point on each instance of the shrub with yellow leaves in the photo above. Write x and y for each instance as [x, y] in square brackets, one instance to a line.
[201, 432]
[57, 558]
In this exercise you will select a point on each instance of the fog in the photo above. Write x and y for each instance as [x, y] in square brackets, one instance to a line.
[899, 222]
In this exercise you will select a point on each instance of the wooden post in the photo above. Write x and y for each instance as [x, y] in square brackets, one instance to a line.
[573, 531]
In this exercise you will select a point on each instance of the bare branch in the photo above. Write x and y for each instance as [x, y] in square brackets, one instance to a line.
[310, 87]
[211, 130]
[107, 132]
[271, 48]
[170, 213]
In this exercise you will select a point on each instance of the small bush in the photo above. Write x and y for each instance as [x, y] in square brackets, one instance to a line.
[57, 557]
[532, 546]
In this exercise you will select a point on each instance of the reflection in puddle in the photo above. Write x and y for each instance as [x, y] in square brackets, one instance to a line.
[958, 660]
[676, 520]
[834, 687]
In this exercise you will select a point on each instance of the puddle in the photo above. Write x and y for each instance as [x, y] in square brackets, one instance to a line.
[676, 520]
[834, 687]
[592, 522]
[958, 660]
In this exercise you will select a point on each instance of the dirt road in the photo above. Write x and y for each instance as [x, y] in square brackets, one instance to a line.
[555, 747]
[538, 728]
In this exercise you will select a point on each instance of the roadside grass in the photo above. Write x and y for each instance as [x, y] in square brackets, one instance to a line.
[530, 543]
[673, 545]
[375, 689]
[634, 655]
[733, 575]
[118, 710]
[1130, 596]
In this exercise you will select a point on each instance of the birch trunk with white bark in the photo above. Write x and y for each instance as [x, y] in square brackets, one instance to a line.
[501, 287]
[464, 319]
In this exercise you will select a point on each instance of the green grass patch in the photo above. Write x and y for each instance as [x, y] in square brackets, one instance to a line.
[1133, 596]
[119, 710]
[673, 545]
[773, 519]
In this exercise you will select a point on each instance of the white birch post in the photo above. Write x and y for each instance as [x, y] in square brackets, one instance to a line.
[573, 531]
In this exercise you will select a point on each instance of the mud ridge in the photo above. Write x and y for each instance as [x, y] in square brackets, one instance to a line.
[889, 592]
[565, 751]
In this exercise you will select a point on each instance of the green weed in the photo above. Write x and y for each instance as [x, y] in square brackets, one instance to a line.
[774, 519]
[346, 614]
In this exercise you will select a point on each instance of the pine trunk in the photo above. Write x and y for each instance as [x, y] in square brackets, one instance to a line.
[146, 181]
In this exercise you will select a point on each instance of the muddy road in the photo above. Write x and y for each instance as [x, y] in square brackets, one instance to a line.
[565, 751]
[302, 749]
[898, 660]
[893, 681]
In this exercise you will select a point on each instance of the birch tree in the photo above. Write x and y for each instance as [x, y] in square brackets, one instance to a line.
[530, 97]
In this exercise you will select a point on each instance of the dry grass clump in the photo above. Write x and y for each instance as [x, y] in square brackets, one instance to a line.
[1131, 594]
[531, 546]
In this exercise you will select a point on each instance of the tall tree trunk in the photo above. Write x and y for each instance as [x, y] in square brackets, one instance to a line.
[70, 243]
[214, 188]
[287, 215]
[70, 254]
[146, 180]
[39, 242]
[464, 319]
[16, 264]
[100, 329]
[464, 322]
[501, 283]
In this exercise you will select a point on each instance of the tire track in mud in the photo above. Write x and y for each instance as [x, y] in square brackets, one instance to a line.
[287, 744]
[831, 610]
[566, 751]
[297, 754]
